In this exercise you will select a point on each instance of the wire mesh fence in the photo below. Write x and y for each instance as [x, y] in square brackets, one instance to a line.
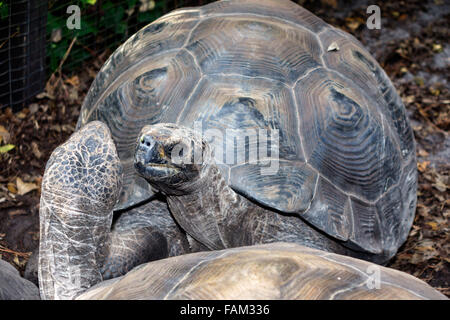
[37, 35]
[22, 50]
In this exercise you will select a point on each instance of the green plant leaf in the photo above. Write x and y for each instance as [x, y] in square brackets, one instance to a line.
[90, 2]
[6, 148]
[4, 10]
[131, 3]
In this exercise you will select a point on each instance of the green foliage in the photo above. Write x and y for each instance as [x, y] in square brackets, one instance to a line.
[104, 24]
[4, 10]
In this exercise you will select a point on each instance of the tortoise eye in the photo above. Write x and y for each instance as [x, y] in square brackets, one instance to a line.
[142, 139]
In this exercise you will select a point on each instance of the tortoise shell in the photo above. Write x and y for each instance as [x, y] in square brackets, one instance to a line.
[270, 271]
[13, 286]
[345, 151]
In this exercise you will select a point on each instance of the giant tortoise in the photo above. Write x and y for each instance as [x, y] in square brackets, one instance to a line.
[301, 135]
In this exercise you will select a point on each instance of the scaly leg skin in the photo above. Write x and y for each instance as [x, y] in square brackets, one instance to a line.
[145, 233]
[80, 187]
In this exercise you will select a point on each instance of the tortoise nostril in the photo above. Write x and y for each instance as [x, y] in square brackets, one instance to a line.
[146, 141]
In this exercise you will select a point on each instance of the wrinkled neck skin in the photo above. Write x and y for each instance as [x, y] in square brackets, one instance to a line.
[206, 208]
[215, 215]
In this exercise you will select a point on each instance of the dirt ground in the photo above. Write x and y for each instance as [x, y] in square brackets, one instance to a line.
[412, 46]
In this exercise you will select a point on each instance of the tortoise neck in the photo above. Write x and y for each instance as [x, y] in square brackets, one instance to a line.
[207, 210]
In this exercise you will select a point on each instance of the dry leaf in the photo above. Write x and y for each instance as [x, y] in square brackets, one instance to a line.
[354, 23]
[422, 166]
[12, 187]
[441, 186]
[24, 188]
[4, 135]
[333, 47]
[21, 115]
[433, 225]
[17, 212]
[16, 259]
[408, 99]
[437, 47]
[423, 153]
[74, 81]
[35, 149]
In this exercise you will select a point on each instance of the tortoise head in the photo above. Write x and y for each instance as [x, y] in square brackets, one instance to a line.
[171, 158]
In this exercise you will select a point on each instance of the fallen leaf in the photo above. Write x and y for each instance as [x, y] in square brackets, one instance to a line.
[422, 166]
[73, 81]
[437, 47]
[435, 92]
[35, 149]
[4, 135]
[433, 225]
[21, 115]
[423, 153]
[6, 148]
[12, 187]
[24, 187]
[17, 212]
[408, 99]
[441, 186]
[353, 25]
[333, 47]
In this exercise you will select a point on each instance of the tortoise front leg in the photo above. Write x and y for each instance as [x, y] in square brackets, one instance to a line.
[80, 187]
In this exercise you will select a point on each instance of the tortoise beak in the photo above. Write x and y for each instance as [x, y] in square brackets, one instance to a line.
[150, 151]
[150, 159]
